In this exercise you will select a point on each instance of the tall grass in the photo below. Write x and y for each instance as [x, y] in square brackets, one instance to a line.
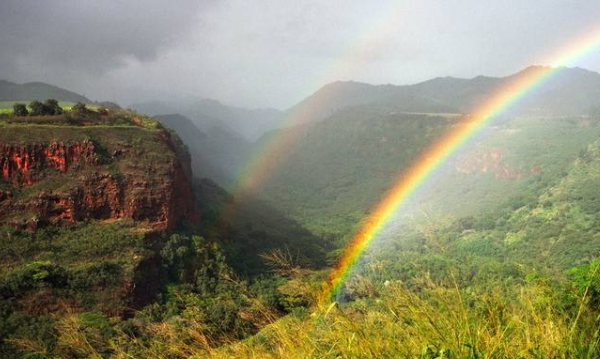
[533, 320]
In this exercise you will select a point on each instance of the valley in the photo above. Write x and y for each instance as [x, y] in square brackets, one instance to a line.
[124, 235]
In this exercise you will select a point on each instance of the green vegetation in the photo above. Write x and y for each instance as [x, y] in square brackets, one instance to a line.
[341, 167]
[247, 229]
[7, 107]
[96, 279]
[498, 258]
[68, 292]
[519, 282]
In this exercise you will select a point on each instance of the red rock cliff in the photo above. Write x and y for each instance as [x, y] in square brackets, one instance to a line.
[21, 164]
[61, 183]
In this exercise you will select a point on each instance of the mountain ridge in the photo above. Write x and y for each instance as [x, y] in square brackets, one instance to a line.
[36, 90]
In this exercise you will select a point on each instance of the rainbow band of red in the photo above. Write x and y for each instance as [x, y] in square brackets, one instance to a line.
[439, 152]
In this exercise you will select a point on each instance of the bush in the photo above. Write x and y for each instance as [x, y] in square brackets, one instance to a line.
[37, 108]
[80, 108]
[30, 276]
[49, 108]
[20, 110]
[52, 108]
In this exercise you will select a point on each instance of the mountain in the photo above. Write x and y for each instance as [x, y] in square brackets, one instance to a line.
[495, 255]
[528, 268]
[205, 113]
[250, 123]
[216, 154]
[10, 91]
[571, 91]
[335, 170]
[340, 95]
[80, 202]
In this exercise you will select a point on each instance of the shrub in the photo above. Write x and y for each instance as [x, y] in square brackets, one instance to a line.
[20, 110]
[37, 108]
[52, 108]
[80, 108]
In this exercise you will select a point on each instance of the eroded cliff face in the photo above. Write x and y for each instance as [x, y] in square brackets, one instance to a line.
[22, 163]
[67, 182]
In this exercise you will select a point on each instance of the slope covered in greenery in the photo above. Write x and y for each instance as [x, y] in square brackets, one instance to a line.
[571, 91]
[10, 91]
[340, 167]
[520, 283]
[99, 264]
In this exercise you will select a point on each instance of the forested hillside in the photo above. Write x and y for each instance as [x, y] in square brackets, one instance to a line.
[339, 168]
[517, 280]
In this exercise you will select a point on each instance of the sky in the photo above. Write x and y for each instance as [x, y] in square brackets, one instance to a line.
[274, 53]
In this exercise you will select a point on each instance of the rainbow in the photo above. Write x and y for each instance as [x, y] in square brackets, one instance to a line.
[441, 150]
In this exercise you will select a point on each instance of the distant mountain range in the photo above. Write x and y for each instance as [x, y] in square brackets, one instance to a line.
[571, 91]
[221, 136]
[206, 113]
[10, 91]
[216, 153]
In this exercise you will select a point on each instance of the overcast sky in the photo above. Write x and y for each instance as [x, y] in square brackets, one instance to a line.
[273, 53]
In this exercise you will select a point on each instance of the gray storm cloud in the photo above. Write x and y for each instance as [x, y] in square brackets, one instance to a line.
[93, 36]
[275, 52]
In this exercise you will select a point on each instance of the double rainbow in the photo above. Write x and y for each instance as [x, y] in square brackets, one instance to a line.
[438, 153]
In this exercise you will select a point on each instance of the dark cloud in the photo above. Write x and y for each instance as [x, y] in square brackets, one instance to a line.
[89, 35]
[275, 52]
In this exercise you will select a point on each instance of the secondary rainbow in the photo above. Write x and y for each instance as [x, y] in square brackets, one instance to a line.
[445, 147]
[273, 151]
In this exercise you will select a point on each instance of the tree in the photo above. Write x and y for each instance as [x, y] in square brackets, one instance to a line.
[37, 108]
[20, 110]
[80, 108]
[52, 107]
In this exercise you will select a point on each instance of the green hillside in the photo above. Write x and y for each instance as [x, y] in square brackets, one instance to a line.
[340, 167]
[10, 91]
[496, 256]
[521, 282]
[457, 95]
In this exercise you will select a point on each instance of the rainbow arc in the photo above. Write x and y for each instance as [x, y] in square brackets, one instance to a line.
[439, 152]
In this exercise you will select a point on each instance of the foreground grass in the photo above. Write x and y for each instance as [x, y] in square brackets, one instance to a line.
[439, 323]
[436, 321]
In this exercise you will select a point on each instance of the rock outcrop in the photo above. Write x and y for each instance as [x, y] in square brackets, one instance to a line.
[22, 163]
[62, 183]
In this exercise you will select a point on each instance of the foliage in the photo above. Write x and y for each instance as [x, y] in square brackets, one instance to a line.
[518, 280]
[20, 110]
[248, 228]
[80, 107]
[341, 167]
